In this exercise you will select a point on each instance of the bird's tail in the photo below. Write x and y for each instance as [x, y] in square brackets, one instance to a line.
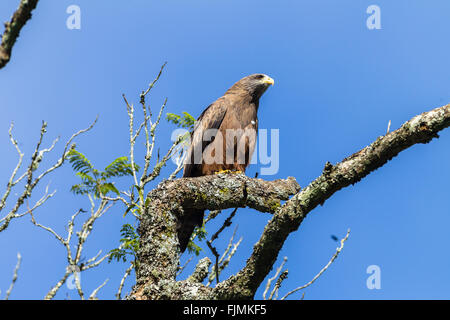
[192, 218]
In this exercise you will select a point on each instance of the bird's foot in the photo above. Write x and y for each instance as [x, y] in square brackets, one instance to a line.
[228, 171]
[222, 171]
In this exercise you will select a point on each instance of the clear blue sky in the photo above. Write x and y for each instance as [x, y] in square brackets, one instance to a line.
[337, 84]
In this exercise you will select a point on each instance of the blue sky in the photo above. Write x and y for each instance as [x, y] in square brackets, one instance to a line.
[337, 85]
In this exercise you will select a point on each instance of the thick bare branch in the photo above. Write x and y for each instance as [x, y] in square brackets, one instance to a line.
[224, 191]
[421, 129]
[158, 253]
[13, 27]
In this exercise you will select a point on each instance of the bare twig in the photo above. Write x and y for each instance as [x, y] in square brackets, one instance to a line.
[32, 182]
[149, 131]
[14, 279]
[149, 128]
[225, 224]
[216, 265]
[269, 282]
[277, 286]
[338, 250]
[38, 203]
[224, 260]
[11, 181]
[94, 293]
[181, 269]
[75, 265]
[122, 282]
[228, 254]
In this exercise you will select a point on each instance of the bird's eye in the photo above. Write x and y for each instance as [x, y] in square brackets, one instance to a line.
[259, 76]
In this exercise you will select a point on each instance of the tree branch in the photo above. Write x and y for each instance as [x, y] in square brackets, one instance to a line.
[158, 255]
[13, 27]
[421, 129]
[14, 279]
[269, 282]
[122, 281]
[224, 191]
[201, 271]
[31, 182]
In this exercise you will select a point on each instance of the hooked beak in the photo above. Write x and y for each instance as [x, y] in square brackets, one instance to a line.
[269, 81]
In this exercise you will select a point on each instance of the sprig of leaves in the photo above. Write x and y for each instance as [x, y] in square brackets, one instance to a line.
[199, 233]
[94, 181]
[185, 121]
[129, 245]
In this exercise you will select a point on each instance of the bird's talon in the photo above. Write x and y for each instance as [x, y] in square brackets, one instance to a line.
[222, 171]
[228, 172]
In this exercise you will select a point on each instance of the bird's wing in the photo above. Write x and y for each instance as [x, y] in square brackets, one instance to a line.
[241, 143]
[211, 118]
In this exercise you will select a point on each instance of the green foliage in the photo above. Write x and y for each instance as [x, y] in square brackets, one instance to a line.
[129, 244]
[119, 168]
[79, 162]
[183, 121]
[199, 233]
[97, 182]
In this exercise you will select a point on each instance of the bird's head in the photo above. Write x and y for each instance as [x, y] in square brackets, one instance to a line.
[255, 84]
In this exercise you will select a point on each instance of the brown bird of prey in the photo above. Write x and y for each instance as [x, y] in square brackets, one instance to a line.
[223, 138]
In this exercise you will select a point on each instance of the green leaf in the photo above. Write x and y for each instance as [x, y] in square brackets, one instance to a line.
[199, 233]
[118, 168]
[79, 161]
[87, 179]
[129, 244]
[129, 208]
[185, 121]
[108, 187]
[193, 248]
[79, 189]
